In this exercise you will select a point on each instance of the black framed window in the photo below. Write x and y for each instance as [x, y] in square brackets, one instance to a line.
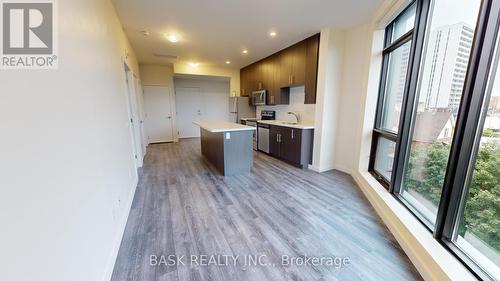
[441, 79]
[396, 54]
[436, 139]
[470, 213]
[476, 229]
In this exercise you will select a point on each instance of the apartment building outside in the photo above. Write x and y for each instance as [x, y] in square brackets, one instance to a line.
[448, 56]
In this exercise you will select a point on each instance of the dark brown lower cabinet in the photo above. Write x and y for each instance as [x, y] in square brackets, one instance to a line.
[291, 145]
[274, 143]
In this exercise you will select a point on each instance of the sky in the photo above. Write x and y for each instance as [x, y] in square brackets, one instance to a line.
[454, 11]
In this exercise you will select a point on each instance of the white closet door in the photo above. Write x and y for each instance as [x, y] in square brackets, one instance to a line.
[190, 107]
[158, 114]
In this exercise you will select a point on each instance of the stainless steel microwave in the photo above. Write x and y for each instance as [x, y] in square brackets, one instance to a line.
[258, 97]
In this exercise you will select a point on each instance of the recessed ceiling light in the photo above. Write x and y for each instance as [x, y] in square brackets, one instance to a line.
[194, 64]
[245, 51]
[172, 38]
[272, 33]
[228, 62]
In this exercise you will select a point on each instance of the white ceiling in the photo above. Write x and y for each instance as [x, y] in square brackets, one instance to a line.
[213, 31]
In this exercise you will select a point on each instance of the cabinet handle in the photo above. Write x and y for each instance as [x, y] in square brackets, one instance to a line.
[292, 134]
[277, 138]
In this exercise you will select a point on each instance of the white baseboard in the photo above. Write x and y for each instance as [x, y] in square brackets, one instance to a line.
[321, 169]
[343, 169]
[430, 258]
[119, 235]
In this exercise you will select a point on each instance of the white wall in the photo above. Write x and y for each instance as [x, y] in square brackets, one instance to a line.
[214, 94]
[163, 75]
[66, 153]
[210, 70]
[297, 96]
[354, 73]
[213, 98]
[329, 91]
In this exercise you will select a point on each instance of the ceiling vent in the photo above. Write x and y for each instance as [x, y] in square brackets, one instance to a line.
[165, 56]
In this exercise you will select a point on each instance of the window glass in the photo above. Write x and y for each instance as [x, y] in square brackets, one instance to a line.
[394, 87]
[385, 157]
[478, 230]
[441, 82]
[403, 23]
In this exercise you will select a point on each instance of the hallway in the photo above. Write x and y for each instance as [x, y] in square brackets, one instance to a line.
[183, 207]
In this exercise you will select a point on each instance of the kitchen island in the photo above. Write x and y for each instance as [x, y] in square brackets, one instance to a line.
[228, 146]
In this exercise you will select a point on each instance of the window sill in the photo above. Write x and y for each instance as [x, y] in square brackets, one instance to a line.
[430, 258]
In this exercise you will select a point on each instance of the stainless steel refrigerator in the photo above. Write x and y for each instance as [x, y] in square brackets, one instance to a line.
[239, 108]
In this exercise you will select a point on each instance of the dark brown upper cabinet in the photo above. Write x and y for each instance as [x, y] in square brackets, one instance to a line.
[244, 82]
[311, 69]
[285, 59]
[296, 65]
[292, 65]
[275, 94]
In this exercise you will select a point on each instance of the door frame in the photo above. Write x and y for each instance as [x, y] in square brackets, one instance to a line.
[140, 106]
[133, 117]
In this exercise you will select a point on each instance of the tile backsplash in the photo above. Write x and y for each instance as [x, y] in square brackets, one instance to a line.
[297, 96]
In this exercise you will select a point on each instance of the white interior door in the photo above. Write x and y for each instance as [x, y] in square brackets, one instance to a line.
[190, 107]
[134, 118]
[158, 113]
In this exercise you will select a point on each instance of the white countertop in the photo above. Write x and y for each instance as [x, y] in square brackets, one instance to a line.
[217, 126]
[249, 118]
[303, 126]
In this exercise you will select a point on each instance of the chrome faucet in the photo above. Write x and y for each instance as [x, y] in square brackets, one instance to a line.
[297, 116]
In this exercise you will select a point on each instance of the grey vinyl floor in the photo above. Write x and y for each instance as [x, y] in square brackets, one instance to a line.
[188, 222]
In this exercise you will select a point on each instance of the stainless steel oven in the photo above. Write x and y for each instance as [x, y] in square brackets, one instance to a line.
[263, 130]
[258, 97]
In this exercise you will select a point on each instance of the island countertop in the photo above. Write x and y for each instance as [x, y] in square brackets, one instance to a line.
[217, 126]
